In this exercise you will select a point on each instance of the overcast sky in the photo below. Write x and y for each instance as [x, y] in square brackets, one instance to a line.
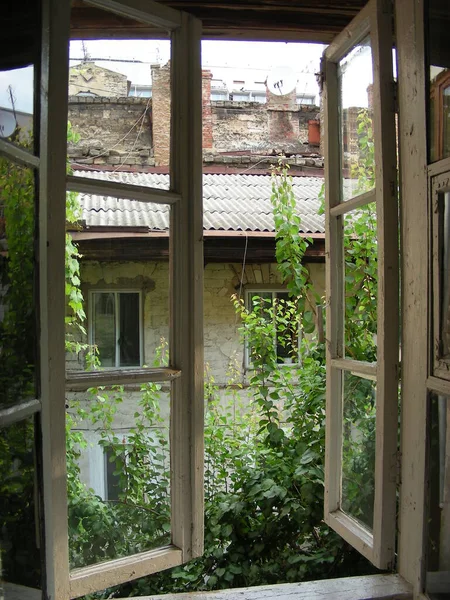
[228, 61]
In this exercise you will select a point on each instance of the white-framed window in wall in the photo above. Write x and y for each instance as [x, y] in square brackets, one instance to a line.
[268, 303]
[116, 327]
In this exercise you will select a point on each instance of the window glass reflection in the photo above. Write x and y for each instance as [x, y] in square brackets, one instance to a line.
[439, 77]
[20, 555]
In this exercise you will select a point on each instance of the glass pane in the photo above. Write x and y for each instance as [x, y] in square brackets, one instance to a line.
[444, 274]
[287, 325]
[439, 76]
[18, 291]
[438, 522]
[16, 106]
[104, 327]
[129, 329]
[260, 303]
[361, 280]
[358, 448]
[119, 97]
[119, 472]
[355, 76]
[20, 555]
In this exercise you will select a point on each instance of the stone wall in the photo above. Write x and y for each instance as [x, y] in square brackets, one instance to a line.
[113, 131]
[221, 280]
[89, 78]
[224, 350]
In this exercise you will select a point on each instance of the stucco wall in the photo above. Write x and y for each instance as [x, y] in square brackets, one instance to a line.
[224, 351]
[221, 280]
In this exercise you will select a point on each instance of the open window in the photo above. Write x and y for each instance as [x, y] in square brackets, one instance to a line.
[32, 406]
[362, 347]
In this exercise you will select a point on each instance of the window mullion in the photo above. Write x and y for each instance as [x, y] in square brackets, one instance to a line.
[117, 327]
[52, 193]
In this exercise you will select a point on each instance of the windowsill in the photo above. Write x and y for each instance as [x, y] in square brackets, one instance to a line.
[369, 587]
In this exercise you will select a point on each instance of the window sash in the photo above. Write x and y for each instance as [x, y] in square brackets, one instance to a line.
[186, 341]
[248, 303]
[378, 544]
[117, 320]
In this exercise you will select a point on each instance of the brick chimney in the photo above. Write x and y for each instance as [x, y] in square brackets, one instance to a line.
[161, 114]
[206, 109]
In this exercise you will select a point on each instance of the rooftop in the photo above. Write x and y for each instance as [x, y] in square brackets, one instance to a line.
[232, 203]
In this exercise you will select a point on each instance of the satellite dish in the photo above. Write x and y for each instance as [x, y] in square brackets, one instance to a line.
[281, 81]
[7, 123]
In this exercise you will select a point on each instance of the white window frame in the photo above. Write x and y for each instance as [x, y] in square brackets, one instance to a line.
[268, 290]
[377, 544]
[185, 373]
[91, 328]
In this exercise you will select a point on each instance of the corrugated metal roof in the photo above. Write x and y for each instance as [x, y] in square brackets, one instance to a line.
[231, 203]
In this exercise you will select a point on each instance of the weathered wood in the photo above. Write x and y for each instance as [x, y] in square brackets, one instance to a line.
[186, 286]
[18, 154]
[297, 20]
[116, 189]
[52, 300]
[108, 247]
[82, 380]
[414, 293]
[369, 587]
[18, 412]
[97, 577]
[388, 328]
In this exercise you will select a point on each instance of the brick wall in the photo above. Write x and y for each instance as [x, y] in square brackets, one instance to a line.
[161, 113]
[207, 110]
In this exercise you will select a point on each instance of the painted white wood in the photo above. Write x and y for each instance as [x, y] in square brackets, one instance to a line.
[186, 282]
[18, 412]
[334, 291]
[414, 240]
[98, 577]
[438, 183]
[52, 217]
[388, 328]
[115, 189]
[369, 587]
[351, 35]
[145, 11]
[375, 19]
[353, 203]
[18, 155]
[354, 532]
[440, 386]
[82, 380]
[358, 367]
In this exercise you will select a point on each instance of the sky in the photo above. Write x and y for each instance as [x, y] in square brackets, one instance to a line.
[228, 61]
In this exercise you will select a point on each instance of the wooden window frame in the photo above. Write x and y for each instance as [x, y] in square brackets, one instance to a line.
[185, 373]
[260, 289]
[378, 544]
[117, 291]
[437, 88]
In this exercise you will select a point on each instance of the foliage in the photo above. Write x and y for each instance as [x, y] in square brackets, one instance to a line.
[17, 281]
[263, 464]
